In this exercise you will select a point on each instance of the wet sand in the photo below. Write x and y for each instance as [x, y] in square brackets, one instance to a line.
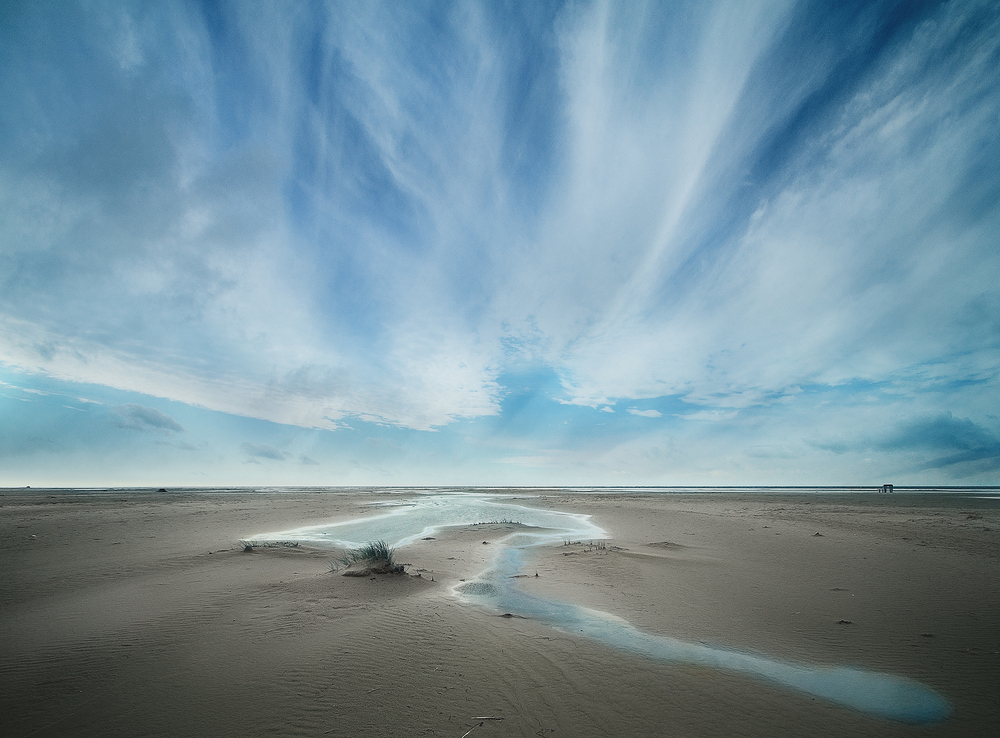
[139, 614]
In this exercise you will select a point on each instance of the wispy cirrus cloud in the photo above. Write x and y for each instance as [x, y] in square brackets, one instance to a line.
[367, 213]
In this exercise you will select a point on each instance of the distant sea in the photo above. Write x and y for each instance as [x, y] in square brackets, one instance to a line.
[668, 490]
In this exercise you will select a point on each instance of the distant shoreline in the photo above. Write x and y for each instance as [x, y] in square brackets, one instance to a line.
[692, 489]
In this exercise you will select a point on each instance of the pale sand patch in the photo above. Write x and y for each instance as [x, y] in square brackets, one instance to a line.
[117, 620]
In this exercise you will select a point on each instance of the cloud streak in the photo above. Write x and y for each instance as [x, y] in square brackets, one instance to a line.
[363, 213]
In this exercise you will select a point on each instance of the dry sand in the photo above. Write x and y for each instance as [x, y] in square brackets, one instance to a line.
[138, 614]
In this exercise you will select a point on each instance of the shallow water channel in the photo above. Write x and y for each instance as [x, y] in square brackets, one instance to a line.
[401, 523]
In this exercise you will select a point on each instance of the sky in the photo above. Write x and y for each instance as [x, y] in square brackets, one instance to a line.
[499, 243]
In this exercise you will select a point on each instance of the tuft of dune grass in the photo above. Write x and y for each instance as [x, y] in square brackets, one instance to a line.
[374, 556]
[374, 551]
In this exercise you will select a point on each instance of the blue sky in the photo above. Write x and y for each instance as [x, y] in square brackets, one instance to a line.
[499, 243]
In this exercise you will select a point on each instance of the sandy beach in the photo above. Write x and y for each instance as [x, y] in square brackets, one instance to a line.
[138, 613]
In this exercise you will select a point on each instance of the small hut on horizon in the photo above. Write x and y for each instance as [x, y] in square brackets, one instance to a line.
[885, 488]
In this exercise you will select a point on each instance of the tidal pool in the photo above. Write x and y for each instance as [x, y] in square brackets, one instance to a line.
[401, 523]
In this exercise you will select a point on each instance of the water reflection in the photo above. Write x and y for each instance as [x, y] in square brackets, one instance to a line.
[888, 696]
[405, 521]
[400, 523]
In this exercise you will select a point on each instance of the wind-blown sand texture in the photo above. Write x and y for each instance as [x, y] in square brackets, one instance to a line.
[136, 613]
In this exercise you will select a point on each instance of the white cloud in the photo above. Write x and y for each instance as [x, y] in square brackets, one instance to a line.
[862, 266]
[359, 246]
[712, 415]
[645, 413]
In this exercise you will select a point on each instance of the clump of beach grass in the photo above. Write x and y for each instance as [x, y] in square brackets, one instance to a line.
[375, 557]
[377, 551]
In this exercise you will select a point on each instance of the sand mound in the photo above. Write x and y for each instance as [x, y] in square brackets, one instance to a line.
[487, 589]
[371, 568]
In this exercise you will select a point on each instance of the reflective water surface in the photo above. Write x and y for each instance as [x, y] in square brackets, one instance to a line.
[403, 522]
